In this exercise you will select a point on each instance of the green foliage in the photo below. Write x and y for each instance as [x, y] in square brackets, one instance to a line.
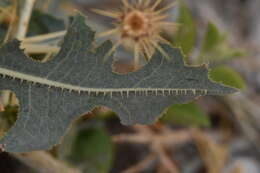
[212, 38]
[187, 114]
[5, 3]
[227, 76]
[187, 32]
[215, 47]
[42, 23]
[2, 34]
[7, 118]
[90, 149]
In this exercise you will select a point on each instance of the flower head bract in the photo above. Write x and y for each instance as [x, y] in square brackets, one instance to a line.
[139, 26]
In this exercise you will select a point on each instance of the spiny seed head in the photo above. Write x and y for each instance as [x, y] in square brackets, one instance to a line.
[139, 26]
[135, 25]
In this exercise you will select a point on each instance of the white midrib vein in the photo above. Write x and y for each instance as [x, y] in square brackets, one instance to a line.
[50, 83]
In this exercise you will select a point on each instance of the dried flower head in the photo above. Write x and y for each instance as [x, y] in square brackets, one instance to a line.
[139, 26]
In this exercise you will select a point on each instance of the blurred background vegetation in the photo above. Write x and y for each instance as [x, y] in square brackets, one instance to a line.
[210, 135]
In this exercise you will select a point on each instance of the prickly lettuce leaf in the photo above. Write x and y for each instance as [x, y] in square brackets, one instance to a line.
[53, 94]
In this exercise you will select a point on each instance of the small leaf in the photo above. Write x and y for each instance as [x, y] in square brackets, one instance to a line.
[90, 149]
[53, 94]
[212, 38]
[227, 76]
[187, 114]
[215, 47]
[187, 32]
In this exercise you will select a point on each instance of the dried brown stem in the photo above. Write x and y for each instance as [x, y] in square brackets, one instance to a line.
[164, 158]
[157, 141]
[141, 165]
[43, 162]
[24, 19]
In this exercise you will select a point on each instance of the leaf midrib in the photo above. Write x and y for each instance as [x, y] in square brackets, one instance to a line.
[73, 88]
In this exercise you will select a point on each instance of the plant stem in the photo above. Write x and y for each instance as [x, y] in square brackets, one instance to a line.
[12, 23]
[40, 48]
[43, 162]
[24, 19]
[44, 37]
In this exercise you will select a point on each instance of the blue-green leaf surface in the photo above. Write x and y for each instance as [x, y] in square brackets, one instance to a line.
[53, 94]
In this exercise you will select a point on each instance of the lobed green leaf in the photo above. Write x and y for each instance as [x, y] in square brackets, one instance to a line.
[55, 93]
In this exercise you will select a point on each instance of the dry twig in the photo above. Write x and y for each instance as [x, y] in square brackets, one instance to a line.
[12, 18]
[2, 108]
[157, 142]
[214, 155]
[24, 19]
[44, 37]
[43, 162]
[141, 165]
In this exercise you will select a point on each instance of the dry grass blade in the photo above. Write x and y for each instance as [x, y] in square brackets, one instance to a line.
[43, 162]
[213, 155]
[40, 48]
[2, 108]
[142, 165]
[44, 37]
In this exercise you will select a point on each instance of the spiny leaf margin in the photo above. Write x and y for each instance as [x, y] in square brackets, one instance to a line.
[139, 97]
